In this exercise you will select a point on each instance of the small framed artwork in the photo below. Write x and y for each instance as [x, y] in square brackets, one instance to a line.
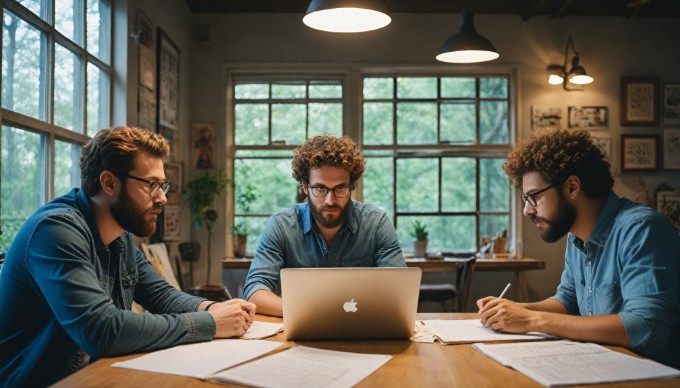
[639, 153]
[671, 149]
[172, 227]
[174, 173]
[545, 117]
[203, 145]
[639, 104]
[168, 82]
[671, 104]
[588, 117]
[147, 59]
[668, 204]
[147, 109]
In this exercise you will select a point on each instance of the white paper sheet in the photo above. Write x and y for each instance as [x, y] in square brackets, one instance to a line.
[202, 359]
[304, 367]
[259, 330]
[460, 331]
[556, 363]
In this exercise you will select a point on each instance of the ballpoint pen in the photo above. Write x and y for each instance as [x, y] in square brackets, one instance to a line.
[229, 297]
[504, 291]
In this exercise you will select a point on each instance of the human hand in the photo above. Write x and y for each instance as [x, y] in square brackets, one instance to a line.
[232, 318]
[505, 315]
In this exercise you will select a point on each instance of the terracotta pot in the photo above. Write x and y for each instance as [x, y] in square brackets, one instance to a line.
[240, 244]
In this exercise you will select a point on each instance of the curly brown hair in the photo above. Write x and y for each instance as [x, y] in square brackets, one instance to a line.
[558, 154]
[328, 150]
[114, 149]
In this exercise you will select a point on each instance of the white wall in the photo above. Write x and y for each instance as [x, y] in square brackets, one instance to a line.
[610, 48]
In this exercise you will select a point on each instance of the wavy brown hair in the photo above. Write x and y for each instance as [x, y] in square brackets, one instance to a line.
[114, 149]
[327, 150]
[558, 154]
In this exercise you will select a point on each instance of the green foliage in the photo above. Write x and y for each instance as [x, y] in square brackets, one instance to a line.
[201, 192]
[419, 230]
[240, 228]
[244, 199]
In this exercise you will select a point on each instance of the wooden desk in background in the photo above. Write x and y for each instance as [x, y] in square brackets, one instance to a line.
[413, 364]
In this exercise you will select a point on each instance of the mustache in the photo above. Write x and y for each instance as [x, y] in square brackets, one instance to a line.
[536, 219]
[329, 207]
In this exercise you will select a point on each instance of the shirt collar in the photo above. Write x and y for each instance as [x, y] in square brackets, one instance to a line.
[604, 223]
[308, 222]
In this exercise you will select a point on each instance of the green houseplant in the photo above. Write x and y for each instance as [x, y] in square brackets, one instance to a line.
[420, 233]
[239, 232]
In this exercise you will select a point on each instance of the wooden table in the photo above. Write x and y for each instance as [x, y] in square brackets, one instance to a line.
[413, 365]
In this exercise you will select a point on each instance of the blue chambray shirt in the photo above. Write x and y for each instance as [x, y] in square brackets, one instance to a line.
[62, 303]
[630, 267]
[290, 240]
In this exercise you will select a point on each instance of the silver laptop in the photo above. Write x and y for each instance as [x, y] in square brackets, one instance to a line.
[349, 303]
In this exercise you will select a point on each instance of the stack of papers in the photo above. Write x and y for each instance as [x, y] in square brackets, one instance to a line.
[471, 330]
[259, 330]
[555, 363]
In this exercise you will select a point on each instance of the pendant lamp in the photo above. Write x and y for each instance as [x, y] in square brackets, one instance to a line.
[467, 46]
[346, 15]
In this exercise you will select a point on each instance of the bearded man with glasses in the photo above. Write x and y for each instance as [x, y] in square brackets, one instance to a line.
[328, 230]
[621, 279]
[73, 271]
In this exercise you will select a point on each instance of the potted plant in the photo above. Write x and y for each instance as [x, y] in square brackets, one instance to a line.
[420, 233]
[240, 230]
[200, 195]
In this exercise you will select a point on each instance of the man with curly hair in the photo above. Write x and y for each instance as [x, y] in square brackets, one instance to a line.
[328, 230]
[73, 271]
[621, 281]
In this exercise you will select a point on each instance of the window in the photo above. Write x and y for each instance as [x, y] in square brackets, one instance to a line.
[55, 94]
[434, 145]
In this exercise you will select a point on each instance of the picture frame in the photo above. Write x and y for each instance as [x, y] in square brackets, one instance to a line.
[147, 59]
[203, 146]
[172, 225]
[639, 105]
[146, 116]
[544, 117]
[671, 104]
[639, 153]
[668, 204]
[174, 173]
[168, 82]
[588, 117]
[671, 149]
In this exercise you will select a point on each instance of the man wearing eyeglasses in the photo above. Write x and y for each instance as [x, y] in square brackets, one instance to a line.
[328, 230]
[73, 271]
[621, 281]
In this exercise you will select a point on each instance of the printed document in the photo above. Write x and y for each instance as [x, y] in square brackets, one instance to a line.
[200, 360]
[460, 331]
[556, 363]
[259, 330]
[304, 367]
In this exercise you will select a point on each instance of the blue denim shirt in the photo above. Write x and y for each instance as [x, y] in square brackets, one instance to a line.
[290, 239]
[630, 267]
[66, 297]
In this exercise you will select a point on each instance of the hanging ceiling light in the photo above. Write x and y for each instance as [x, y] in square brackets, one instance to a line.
[558, 74]
[346, 15]
[467, 46]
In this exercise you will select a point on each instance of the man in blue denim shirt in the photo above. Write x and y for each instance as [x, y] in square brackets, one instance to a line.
[73, 270]
[621, 281]
[329, 230]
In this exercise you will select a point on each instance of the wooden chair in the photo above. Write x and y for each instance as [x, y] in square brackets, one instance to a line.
[457, 293]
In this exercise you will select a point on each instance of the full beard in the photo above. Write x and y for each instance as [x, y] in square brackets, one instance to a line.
[328, 221]
[131, 216]
[560, 225]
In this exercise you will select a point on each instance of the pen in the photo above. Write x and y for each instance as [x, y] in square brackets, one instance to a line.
[504, 291]
[229, 297]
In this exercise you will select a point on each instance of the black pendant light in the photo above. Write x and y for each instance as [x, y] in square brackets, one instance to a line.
[467, 46]
[346, 15]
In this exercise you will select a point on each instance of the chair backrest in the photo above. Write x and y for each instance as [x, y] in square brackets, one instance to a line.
[464, 281]
[157, 254]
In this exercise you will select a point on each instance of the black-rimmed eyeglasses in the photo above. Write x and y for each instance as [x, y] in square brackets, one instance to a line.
[341, 191]
[531, 197]
[154, 187]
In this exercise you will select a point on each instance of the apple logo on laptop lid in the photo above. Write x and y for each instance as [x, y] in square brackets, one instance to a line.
[350, 307]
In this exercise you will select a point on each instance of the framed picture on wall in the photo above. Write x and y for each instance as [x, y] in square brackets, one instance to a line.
[168, 82]
[671, 104]
[174, 173]
[639, 152]
[147, 59]
[588, 117]
[671, 149]
[171, 223]
[639, 104]
[203, 146]
[545, 117]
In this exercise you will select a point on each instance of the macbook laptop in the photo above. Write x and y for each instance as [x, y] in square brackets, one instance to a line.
[349, 303]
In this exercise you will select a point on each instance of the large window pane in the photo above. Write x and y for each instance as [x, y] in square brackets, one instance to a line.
[23, 167]
[286, 91]
[457, 123]
[459, 190]
[323, 89]
[493, 122]
[23, 67]
[251, 124]
[68, 19]
[378, 183]
[98, 26]
[494, 193]
[325, 118]
[417, 185]
[251, 91]
[67, 90]
[97, 99]
[417, 87]
[38, 7]
[378, 123]
[378, 88]
[66, 167]
[493, 87]
[446, 233]
[288, 123]
[416, 123]
[271, 182]
[458, 87]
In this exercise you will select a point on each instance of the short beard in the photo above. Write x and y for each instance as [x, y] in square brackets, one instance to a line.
[130, 216]
[560, 225]
[328, 222]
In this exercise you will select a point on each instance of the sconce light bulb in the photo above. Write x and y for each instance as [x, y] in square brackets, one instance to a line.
[555, 79]
[581, 79]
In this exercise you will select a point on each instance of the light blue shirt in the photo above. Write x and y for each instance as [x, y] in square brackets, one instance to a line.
[630, 267]
[290, 240]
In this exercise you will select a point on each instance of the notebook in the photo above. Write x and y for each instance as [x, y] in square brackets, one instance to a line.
[349, 303]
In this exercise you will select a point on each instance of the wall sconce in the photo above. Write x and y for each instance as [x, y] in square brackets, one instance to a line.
[346, 15]
[577, 75]
[466, 46]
